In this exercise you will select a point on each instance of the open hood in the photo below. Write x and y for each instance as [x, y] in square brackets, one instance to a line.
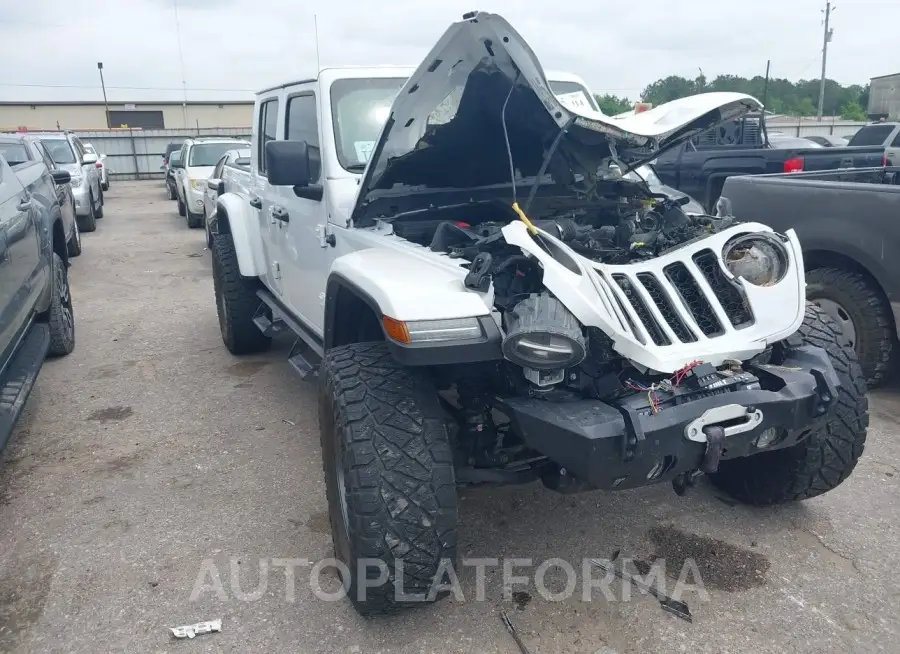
[446, 125]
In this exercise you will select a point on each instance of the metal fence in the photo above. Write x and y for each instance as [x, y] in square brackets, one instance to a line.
[803, 127]
[137, 153]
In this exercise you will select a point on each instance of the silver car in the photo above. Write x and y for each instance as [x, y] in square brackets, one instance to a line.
[69, 153]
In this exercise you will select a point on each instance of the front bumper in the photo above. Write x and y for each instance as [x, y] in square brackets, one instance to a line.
[195, 199]
[618, 446]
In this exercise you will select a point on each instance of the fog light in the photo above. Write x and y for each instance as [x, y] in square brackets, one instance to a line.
[199, 203]
[766, 438]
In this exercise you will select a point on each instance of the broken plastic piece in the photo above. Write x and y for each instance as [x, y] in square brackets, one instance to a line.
[191, 630]
[673, 606]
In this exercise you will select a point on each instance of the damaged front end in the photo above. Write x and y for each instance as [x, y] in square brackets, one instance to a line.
[639, 343]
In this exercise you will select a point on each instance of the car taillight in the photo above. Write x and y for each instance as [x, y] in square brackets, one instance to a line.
[794, 165]
[884, 160]
[98, 165]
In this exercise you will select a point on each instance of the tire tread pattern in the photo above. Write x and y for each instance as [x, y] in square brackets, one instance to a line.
[829, 454]
[239, 333]
[398, 468]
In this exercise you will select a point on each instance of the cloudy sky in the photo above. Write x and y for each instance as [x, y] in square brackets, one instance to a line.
[229, 48]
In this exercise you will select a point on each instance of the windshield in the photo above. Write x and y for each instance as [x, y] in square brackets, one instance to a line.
[60, 151]
[14, 153]
[359, 109]
[574, 92]
[208, 154]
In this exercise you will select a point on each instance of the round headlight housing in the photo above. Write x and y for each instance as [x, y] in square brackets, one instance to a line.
[760, 259]
[543, 350]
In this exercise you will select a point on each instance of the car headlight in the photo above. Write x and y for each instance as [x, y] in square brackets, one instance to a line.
[760, 259]
[542, 334]
[198, 184]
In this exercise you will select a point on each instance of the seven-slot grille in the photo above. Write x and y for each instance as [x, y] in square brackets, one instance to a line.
[694, 301]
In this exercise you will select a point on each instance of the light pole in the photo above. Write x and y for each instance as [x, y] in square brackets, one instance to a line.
[103, 86]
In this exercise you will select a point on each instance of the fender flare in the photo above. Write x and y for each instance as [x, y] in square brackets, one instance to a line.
[234, 216]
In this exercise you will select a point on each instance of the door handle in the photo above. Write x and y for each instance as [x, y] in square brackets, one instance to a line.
[256, 202]
[25, 205]
[280, 213]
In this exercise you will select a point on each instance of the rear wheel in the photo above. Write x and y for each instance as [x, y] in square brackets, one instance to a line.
[182, 210]
[236, 301]
[389, 477]
[170, 191]
[862, 312]
[98, 213]
[828, 455]
[74, 244]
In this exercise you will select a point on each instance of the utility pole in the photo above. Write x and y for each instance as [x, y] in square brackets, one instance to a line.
[103, 86]
[826, 39]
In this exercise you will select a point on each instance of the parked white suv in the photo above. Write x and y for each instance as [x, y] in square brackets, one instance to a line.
[198, 159]
[487, 297]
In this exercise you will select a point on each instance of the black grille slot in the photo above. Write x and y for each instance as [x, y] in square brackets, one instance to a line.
[729, 296]
[664, 304]
[694, 299]
[656, 333]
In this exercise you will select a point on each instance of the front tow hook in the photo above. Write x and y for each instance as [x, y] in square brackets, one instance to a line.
[715, 443]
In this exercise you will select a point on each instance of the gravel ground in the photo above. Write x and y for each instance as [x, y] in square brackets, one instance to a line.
[151, 463]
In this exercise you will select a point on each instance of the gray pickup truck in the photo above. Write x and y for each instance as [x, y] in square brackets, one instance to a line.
[36, 316]
[845, 220]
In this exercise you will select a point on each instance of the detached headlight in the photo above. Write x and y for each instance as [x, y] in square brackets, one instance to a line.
[761, 259]
[542, 334]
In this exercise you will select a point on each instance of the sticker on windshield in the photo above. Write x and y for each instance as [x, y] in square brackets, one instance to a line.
[363, 150]
[576, 101]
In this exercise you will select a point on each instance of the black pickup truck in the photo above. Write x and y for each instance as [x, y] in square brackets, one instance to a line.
[847, 224]
[36, 317]
[700, 166]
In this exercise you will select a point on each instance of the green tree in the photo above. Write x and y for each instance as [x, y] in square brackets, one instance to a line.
[613, 104]
[853, 111]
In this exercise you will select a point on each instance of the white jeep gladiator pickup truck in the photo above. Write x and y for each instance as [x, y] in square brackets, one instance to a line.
[486, 296]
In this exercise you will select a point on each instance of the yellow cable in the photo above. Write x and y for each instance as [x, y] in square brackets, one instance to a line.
[524, 218]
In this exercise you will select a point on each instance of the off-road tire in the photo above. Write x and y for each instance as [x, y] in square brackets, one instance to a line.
[868, 309]
[60, 316]
[236, 301]
[182, 210]
[828, 455]
[195, 220]
[73, 247]
[382, 425]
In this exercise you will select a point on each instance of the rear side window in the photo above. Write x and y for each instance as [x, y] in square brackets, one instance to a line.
[872, 135]
[303, 125]
[268, 127]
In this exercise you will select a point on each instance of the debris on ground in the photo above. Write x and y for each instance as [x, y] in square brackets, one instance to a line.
[191, 630]
[512, 632]
[673, 606]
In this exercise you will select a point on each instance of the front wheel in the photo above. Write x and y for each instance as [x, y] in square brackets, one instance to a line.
[182, 210]
[823, 460]
[388, 476]
[74, 245]
[194, 220]
[60, 316]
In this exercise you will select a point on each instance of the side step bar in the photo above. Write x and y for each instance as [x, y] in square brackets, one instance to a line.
[305, 363]
[20, 376]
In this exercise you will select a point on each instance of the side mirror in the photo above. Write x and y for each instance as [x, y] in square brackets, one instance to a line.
[288, 163]
[89, 158]
[61, 176]
[216, 185]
